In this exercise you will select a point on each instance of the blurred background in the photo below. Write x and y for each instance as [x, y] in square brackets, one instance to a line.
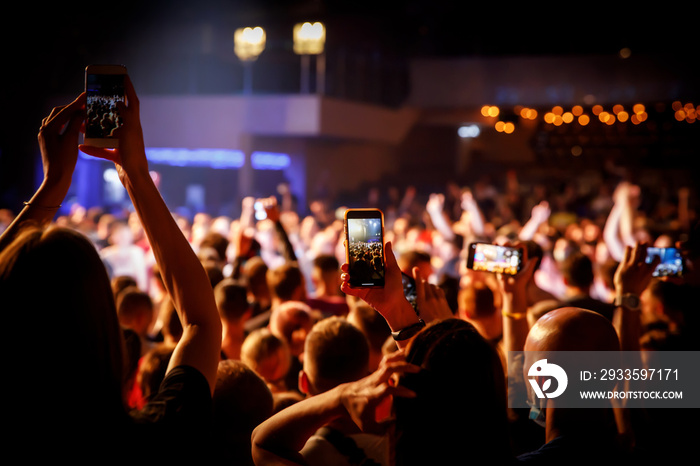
[382, 95]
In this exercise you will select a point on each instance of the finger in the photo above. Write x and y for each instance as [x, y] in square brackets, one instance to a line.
[389, 255]
[627, 255]
[131, 99]
[420, 289]
[62, 114]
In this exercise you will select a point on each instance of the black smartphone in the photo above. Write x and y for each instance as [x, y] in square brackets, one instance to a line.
[364, 247]
[104, 87]
[671, 264]
[487, 257]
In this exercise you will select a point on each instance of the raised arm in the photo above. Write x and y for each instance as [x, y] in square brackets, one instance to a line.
[58, 142]
[617, 230]
[540, 215]
[181, 270]
[389, 301]
[632, 276]
[474, 213]
[434, 207]
[513, 291]
[280, 438]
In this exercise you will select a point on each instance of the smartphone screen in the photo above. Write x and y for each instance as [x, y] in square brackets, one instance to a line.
[671, 264]
[485, 257]
[364, 247]
[104, 87]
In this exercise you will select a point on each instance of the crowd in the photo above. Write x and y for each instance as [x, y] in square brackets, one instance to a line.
[106, 119]
[158, 337]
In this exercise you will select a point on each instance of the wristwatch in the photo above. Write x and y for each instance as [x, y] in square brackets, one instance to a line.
[407, 332]
[629, 301]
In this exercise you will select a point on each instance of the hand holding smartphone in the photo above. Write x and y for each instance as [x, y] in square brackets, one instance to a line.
[104, 87]
[364, 247]
[493, 258]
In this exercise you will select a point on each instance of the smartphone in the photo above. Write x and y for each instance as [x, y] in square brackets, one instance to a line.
[409, 290]
[260, 213]
[104, 87]
[671, 264]
[494, 258]
[364, 247]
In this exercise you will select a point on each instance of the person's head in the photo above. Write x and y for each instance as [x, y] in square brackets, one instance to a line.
[461, 381]
[572, 329]
[241, 401]
[62, 292]
[577, 271]
[476, 301]
[292, 321]
[325, 274]
[121, 235]
[286, 282]
[172, 326]
[375, 328]
[232, 300]
[214, 272]
[269, 356]
[566, 329]
[335, 352]
[666, 301]
[216, 243]
[152, 369]
[255, 273]
[120, 283]
[135, 310]
[407, 260]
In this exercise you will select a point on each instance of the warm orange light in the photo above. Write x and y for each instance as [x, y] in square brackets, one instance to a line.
[623, 116]
[583, 120]
[557, 110]
[508, 127]
[638, 108]
[549, 117]
[567, 117]
[499, 126]
[617, 108]
[577, 110]
[597, 109]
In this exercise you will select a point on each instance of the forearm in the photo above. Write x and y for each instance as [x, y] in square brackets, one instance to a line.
[181, 271]
[281, 437]
[628, 325]
[515, 324]
[39, 210]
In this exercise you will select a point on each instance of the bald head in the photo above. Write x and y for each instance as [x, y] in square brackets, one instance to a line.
[572, 329]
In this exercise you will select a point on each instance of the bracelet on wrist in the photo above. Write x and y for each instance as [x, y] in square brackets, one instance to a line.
[38, 206]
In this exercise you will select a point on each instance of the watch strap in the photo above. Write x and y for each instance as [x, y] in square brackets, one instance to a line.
[629, 301]
[408, 332]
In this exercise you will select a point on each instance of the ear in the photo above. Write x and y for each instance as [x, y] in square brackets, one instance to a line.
[303, 383]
